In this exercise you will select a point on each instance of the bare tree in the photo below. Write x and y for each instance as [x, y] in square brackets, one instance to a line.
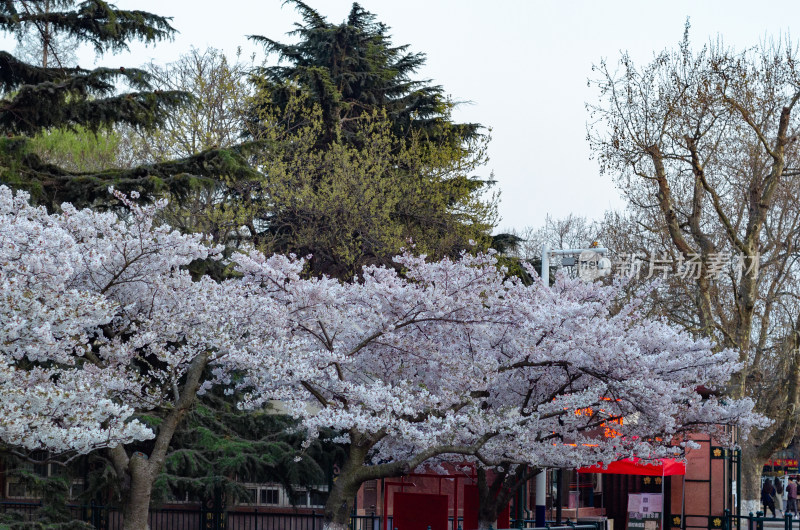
[213, 119]
[40, 44]
[572, 231]
[703, 144]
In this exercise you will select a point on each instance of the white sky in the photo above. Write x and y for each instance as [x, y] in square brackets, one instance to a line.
[523, 65]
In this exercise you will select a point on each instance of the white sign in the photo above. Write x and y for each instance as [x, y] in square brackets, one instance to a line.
[644, 511]
[645, 503]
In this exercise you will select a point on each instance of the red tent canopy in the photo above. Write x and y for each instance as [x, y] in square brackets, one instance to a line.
[633, 466]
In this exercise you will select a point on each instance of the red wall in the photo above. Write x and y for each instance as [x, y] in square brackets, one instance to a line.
[471, 502]
[417, 511]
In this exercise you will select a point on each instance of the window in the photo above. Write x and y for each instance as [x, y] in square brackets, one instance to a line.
[299, 498]
[276, 495]
[270, 496]
[16, 490]
[252, 495]
[318, 497]
[42, 469]
[181, 496]
[76, 488]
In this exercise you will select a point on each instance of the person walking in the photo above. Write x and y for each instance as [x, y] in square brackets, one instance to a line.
[779, 496]
[768, 497]
[791, 496]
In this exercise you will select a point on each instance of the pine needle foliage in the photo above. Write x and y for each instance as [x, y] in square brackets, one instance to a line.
[371, 159]
[35, 99]
[52, 490]
[352, 69]
[220, 448]
[352, 204]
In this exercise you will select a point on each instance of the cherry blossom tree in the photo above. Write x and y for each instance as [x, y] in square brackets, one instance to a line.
[450, 360]
[47, 400]
[110, 340]
[106, 336]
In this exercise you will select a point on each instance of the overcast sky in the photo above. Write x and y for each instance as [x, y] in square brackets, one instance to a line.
[522, 65]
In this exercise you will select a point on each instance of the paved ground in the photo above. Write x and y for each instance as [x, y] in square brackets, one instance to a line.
[776, 524]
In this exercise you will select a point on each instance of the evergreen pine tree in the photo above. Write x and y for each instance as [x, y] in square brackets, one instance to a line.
[387, 164]
[352, 69]
[219, 448]
[40, 97]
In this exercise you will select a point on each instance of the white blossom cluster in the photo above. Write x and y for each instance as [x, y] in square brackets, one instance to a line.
[450, 356]
[101, 323]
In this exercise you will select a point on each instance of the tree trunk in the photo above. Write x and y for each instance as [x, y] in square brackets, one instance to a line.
[488, 510]
[485, 522]
[488, 506]
[141, 471]
[46, 35]
[136, 509]
[494, 497]
[355, 473]
[340, 503]
[752, 463]
[345, 487]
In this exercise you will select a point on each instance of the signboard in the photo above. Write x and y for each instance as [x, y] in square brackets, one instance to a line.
[782, 462]
[779, 466]
[644, 511]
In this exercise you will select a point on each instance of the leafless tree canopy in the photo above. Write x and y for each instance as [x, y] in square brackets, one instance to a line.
[704, 146]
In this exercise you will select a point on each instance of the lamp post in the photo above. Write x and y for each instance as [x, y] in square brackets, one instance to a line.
[590, 266]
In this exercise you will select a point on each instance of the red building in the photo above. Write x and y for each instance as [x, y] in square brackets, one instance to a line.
[693, 496]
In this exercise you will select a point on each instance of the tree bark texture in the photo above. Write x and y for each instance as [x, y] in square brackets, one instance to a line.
[139, 471]
[752, 462]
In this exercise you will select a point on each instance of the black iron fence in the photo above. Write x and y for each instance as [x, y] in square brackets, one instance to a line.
[196, 518]
[188, 518]
[256, 520]
[530, 524]
[759, 521]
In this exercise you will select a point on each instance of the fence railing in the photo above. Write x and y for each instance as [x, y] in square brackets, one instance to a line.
[759, 521]
[530, 524]
[194, 518]
[258, 520]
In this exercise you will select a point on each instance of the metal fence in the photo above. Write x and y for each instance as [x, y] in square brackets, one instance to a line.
[256, 520]
[195, 518]
[530, 524]
[106, 518]
[759, 521]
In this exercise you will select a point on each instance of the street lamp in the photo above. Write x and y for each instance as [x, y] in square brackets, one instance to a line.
[592, 264]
